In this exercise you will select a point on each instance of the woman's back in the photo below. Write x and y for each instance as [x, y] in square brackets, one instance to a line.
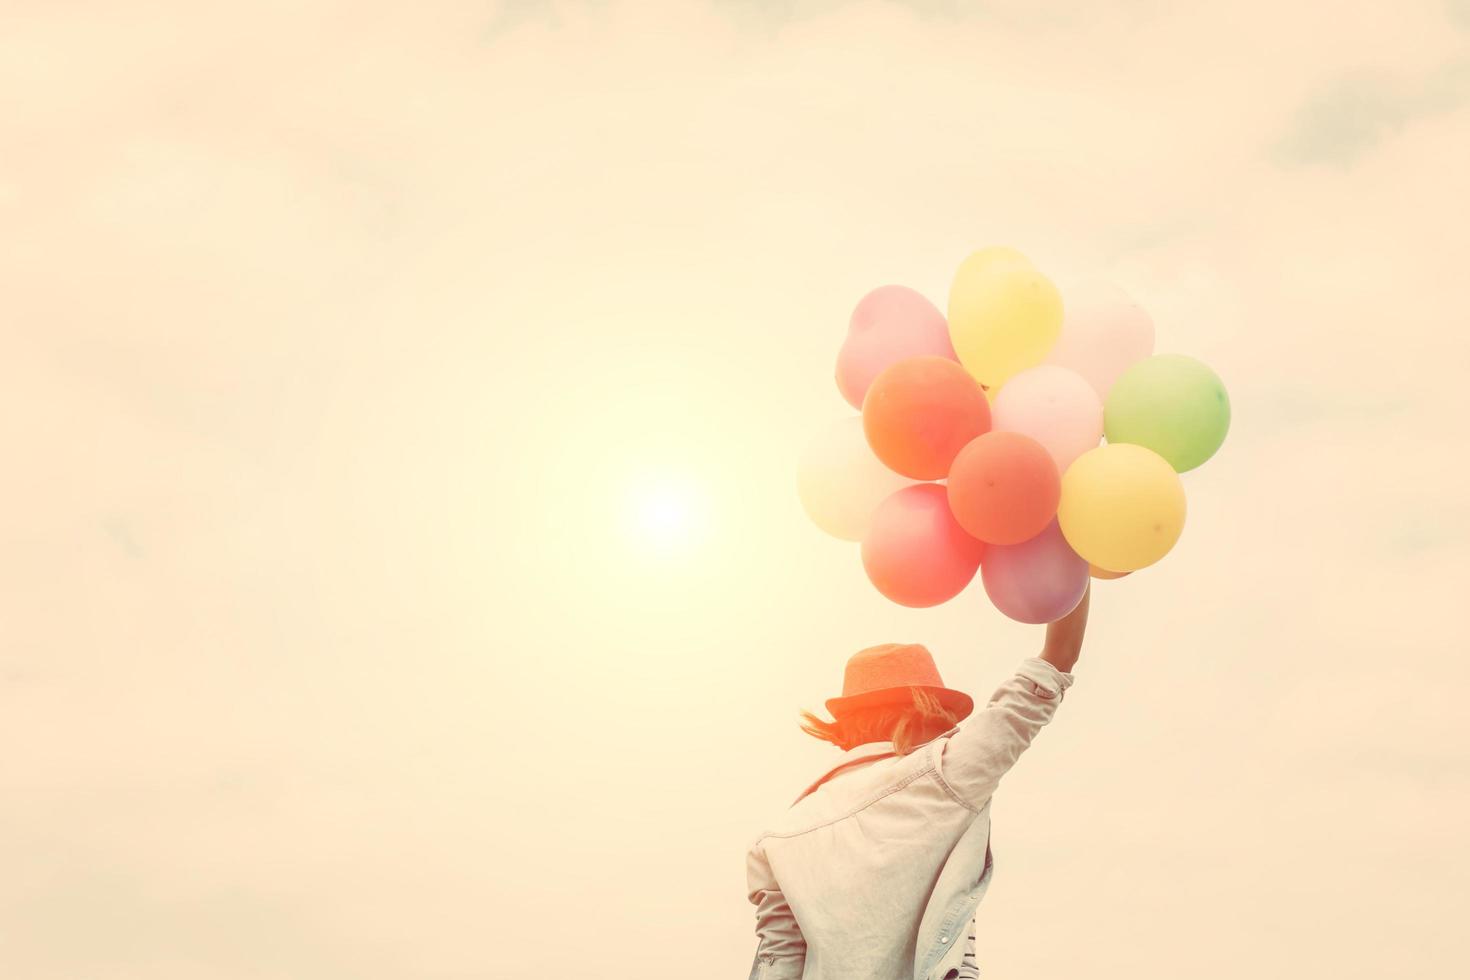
[858, 860]
[876, 873]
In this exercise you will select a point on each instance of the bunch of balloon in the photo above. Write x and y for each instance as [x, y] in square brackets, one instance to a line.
[980, 444]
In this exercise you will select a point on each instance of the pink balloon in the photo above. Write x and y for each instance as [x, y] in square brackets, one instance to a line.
[1104, 332]
[1036, 581]
[890, 324]
[915, 552]
[1056, 407]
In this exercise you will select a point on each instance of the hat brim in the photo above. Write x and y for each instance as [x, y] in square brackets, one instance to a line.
[956, 701]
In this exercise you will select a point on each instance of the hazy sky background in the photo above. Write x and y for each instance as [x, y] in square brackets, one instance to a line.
[344, 345]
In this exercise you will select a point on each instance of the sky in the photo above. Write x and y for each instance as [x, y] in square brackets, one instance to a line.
[401, 568]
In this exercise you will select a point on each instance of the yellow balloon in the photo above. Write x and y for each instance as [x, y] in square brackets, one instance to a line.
[991, 257]
[1004, 316]
[1122, 507]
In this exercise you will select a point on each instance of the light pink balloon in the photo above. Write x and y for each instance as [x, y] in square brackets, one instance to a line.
[1036, 581]
[916, 553]
[1056, 407]
[1104, 332]
[889, 324]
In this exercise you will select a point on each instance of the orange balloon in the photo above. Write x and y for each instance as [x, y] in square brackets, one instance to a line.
[915, 552]
[1103, 573]
[1004, 488]
[920, 412]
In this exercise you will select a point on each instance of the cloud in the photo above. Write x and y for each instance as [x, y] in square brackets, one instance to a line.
[1359, 111]
[510, 14]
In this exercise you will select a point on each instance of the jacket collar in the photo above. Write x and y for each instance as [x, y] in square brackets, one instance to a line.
[857, 755]
[868, 750]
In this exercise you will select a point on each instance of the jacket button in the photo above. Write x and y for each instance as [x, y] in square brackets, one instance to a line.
[944, 939]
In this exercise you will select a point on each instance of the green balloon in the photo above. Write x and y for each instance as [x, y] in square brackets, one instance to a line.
[1171, 404]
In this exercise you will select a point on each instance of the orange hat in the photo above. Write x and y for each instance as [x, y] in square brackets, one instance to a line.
[884, 673]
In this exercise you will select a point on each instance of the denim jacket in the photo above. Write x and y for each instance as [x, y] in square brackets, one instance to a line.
[876, 872]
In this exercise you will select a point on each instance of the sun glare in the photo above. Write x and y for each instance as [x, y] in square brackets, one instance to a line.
[667, 513]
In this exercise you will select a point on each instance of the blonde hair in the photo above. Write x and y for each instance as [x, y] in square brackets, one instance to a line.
[906, 724]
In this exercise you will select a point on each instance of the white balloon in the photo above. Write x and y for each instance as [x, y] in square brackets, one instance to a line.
[1104, 332]
[841, 482]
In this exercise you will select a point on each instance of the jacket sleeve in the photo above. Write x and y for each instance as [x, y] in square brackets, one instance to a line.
[989, 742]
[781, 949]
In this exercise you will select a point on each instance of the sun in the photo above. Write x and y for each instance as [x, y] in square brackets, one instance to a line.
[666, 512]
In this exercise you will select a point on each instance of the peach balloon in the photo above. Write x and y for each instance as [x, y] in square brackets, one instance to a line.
[920, 412]
[889, 324]
[1104, 574]
[1004, 488]
[840, 481]
[916, 553]
[1056, 407]
[1104, 332]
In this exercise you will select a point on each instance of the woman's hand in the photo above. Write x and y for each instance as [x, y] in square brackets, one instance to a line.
[1064, 637]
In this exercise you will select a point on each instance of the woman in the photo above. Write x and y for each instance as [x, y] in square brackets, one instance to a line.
[875, 872]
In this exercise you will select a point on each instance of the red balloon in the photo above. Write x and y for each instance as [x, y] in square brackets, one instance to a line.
[1004, 488]
[915, 552]
[920, 412]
